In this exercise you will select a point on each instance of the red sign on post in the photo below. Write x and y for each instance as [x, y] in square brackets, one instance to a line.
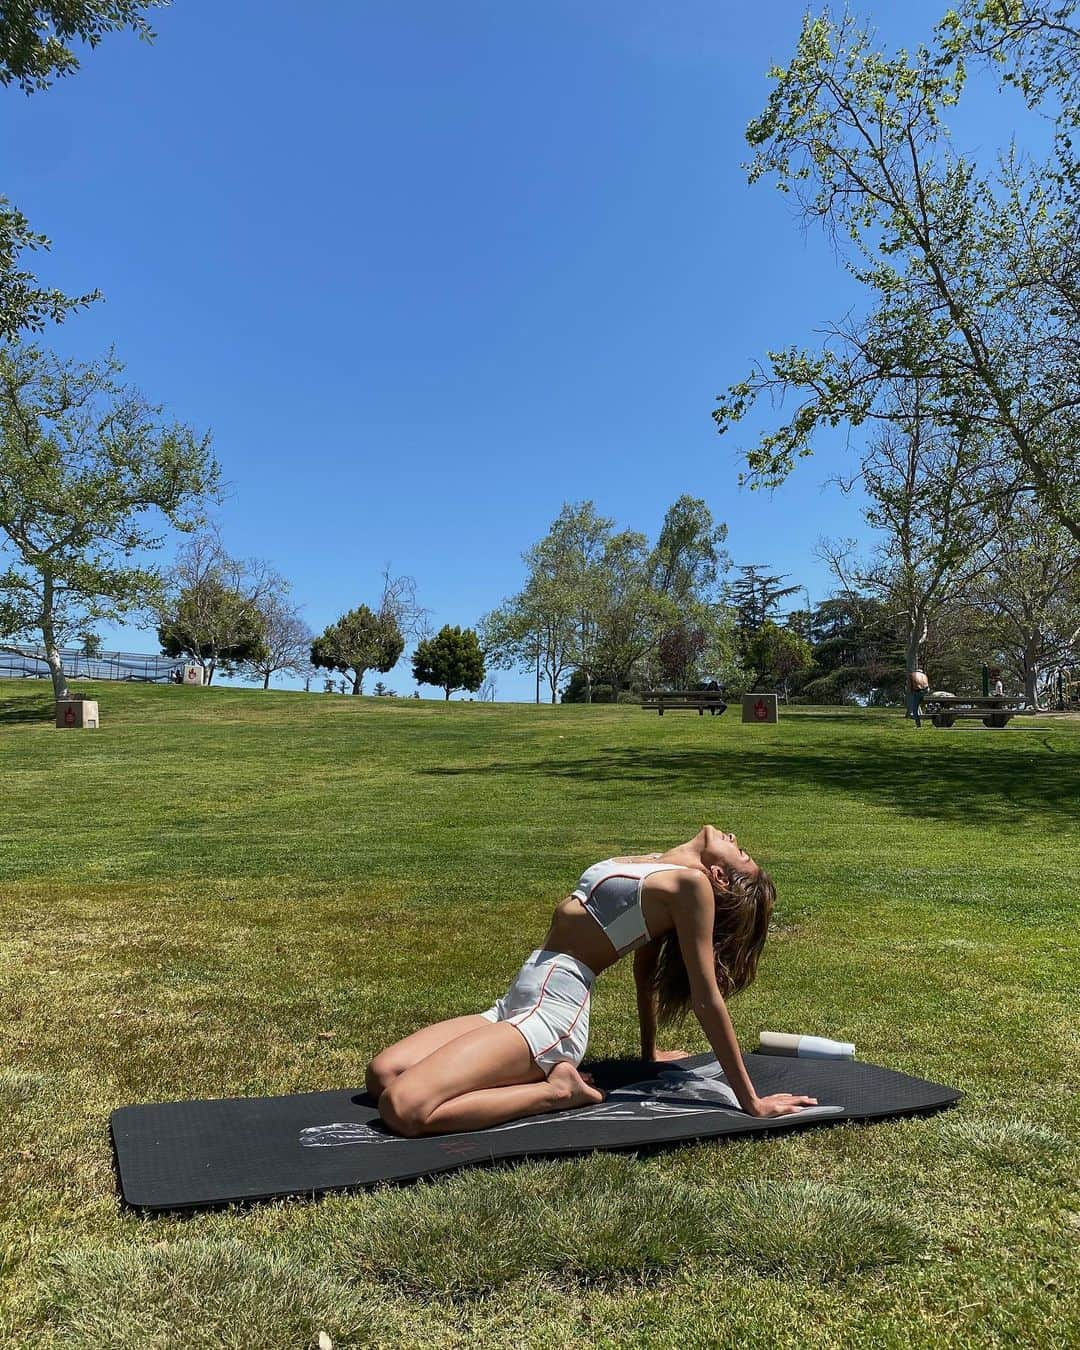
[759, 708]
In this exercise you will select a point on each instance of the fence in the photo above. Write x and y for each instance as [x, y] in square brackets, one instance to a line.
[105, 666]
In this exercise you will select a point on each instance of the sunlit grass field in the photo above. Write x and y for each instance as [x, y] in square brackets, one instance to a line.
[226, 892]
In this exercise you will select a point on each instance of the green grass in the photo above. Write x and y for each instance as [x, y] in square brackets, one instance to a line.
[230, 891]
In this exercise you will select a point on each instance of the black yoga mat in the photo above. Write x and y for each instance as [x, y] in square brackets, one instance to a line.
[187, 1155]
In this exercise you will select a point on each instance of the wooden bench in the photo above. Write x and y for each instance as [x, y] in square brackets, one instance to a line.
[992, 711]
[684, 700]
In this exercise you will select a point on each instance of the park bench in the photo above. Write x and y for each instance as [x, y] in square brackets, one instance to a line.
[676, 700]
[992, 711]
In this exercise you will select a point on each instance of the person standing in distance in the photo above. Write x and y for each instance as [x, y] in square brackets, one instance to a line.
[918, 685]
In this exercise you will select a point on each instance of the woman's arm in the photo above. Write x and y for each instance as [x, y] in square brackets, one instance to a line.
[645, 959]
[694, 907]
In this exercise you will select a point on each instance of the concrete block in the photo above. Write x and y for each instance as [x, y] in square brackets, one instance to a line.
[760, 708]
[78, 714]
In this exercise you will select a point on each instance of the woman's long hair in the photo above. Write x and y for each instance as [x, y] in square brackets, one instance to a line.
[743, 907]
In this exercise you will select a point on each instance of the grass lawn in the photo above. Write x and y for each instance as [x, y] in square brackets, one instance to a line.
[226, 892]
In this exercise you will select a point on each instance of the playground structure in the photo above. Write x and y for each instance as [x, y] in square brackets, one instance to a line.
[1063, 693]
[138, 666]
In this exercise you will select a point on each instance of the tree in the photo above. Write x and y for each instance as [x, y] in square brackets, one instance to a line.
[211, 611]
[512, 638]
[86, 463]
[777, 655]
[214, 625]
[550, 624]
[399, 607]
[754, 597]
[689, 553]
[359, 641]
[452, 659]
[599, 602]
[973, 278]
[573, 553]
[1025, 596]
[681, 647]
[285, 639]
[33, 51]
[631, 616]
[857, 655]
[928, 499]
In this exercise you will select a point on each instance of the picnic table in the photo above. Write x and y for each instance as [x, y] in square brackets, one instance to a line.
[684, 700]
[992, 710]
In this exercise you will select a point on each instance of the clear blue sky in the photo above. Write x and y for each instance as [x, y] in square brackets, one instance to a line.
[428, 270]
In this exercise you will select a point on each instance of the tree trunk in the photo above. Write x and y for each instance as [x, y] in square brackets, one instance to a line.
[1031, 673]
[48, 635]
[538, 672]
[449, 691]
[916, 636]
[588, 686]
[210, 673]
[266, 680]
[358, 683]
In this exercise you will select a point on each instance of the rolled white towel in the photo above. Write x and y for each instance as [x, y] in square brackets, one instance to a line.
[804, 1047]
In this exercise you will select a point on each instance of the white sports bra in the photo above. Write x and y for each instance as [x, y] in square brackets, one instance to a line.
[611, 893]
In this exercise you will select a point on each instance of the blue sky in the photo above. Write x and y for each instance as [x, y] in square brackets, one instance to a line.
[429, 270]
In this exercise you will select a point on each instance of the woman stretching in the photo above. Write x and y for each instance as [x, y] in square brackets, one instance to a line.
[695, 918]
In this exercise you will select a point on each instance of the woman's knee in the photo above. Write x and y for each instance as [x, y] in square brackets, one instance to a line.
[381, 1072]
[402, 1111]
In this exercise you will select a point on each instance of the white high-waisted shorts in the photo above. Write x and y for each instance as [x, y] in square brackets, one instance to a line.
[548, 1002]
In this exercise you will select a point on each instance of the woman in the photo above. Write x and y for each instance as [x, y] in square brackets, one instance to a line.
[696, 919]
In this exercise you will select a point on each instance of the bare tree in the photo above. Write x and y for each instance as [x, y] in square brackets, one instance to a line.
[928, 488]
[399, 602]
[1026, 596]
[286, 640]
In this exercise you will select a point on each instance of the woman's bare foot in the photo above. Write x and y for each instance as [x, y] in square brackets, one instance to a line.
[571, 1088]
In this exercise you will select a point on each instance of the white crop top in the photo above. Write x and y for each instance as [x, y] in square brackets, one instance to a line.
[611, 893]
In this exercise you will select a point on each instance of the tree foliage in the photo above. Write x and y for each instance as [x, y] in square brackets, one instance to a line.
[452, 659]
[359, 641]
[857, 655]
[754, 597]
[34, 49]
[212, 610]
[776, 656]
[972, 277]
[86, 464]
[214, 625]
[35, 35]
[599, 602]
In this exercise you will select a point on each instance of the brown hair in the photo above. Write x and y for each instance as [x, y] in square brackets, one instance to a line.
[743, 907]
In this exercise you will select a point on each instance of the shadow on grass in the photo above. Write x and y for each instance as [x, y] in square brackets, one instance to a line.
[1007, 787]
[27, 712]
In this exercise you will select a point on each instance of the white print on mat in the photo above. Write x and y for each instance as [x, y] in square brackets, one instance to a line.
[677, 1092]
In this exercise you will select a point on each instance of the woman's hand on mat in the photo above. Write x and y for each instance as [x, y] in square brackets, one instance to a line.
[662, 1056]
[780, 1104]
